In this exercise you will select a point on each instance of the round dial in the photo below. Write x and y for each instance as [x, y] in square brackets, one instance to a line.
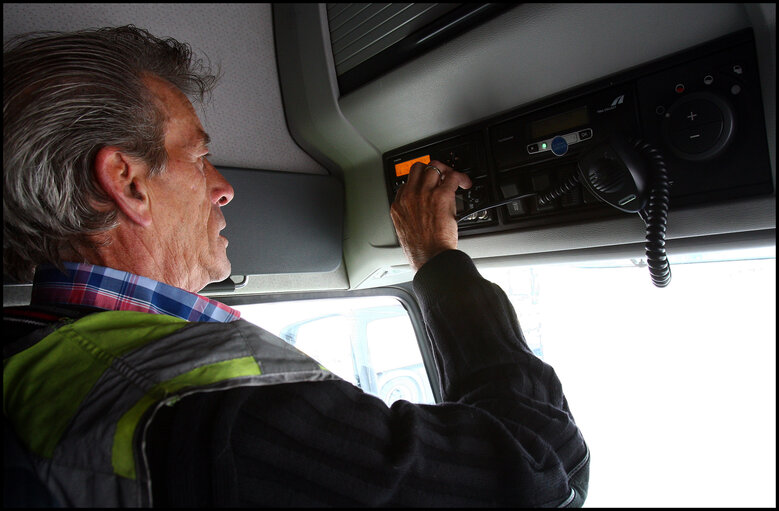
[699, 126]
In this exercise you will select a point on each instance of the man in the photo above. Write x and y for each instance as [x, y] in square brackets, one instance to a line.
[127, 388]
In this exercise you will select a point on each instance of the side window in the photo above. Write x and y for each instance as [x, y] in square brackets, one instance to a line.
[670, 371]
[368, 341]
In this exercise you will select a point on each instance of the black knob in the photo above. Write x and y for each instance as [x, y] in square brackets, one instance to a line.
[699, 126]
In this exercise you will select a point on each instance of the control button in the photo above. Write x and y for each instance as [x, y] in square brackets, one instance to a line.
[532, 148]
[660, 110]
[679, 88]
[734, 70]
[459, 158]
[516, 208]
[698, 139]
[700, 126]
[453, 160]
[585, 134]
[735, 90]
[708, 79]
[559, 146]
[694, 113]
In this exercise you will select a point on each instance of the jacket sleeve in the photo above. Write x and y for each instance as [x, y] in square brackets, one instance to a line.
[503, 436]
[481, 353]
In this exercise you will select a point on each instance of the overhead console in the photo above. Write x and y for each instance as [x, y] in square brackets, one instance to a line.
[701, 110]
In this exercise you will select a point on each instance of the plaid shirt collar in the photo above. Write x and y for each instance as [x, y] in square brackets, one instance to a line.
[110, 289]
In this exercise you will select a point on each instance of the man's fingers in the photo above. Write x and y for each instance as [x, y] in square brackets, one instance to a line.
[433, 174]
[452, 180]
[438, 174]
[417, 176]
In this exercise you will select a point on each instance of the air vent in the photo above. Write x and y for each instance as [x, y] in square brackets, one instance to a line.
[371, 39]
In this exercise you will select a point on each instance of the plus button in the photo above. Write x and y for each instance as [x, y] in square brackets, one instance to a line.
[692, 116]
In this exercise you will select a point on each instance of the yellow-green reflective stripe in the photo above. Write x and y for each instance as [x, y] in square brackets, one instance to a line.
[44, 385]
[122, 450]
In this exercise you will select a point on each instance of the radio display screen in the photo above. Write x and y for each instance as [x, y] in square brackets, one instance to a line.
[402, 169]
[559, 122]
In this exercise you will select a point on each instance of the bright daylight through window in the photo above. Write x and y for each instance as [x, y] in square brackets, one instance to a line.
[368, 341]
[673, 388]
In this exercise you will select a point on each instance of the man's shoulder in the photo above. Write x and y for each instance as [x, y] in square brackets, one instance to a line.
[29, 323]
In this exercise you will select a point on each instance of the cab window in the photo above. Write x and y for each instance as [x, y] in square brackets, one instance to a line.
[369, 341]
[673, 385]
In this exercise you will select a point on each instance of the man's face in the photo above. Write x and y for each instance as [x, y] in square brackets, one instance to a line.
[186, 198]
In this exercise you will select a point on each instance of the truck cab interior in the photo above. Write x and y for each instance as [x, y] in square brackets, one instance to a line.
[564, 116]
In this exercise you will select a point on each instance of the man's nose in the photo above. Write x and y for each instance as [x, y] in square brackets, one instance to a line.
[221, 190]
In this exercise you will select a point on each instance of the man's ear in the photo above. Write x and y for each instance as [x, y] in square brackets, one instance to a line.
[124, 179]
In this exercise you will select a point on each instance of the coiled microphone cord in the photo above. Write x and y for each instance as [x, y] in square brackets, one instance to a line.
[568, 185]
[565, 187]
[655, 216]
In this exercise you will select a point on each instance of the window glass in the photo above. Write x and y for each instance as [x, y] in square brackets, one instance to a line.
[673, 388]
[368, 341]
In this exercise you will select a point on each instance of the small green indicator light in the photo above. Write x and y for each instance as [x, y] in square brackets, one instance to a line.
[543, 146]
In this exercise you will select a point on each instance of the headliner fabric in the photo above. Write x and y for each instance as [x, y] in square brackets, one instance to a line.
[245, 117]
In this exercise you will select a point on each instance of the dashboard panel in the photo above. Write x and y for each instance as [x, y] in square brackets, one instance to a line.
[701, 109]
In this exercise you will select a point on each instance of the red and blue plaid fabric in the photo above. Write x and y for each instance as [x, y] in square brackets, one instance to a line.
[106, 288]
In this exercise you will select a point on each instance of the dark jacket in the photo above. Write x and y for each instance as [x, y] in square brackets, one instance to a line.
[504, 435]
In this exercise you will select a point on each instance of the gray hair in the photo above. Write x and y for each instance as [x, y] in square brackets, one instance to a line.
[65, 96]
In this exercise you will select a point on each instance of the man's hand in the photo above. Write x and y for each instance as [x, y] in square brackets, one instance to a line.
[424, 211]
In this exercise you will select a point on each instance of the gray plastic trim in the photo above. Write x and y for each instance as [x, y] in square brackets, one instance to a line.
[281, 222]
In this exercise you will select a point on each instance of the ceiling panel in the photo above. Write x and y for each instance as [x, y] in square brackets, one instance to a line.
[245, 117]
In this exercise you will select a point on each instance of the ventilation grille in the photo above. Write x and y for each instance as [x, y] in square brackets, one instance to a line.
[359, 32]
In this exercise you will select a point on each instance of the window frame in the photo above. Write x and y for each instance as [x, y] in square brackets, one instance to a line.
[403, 292]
